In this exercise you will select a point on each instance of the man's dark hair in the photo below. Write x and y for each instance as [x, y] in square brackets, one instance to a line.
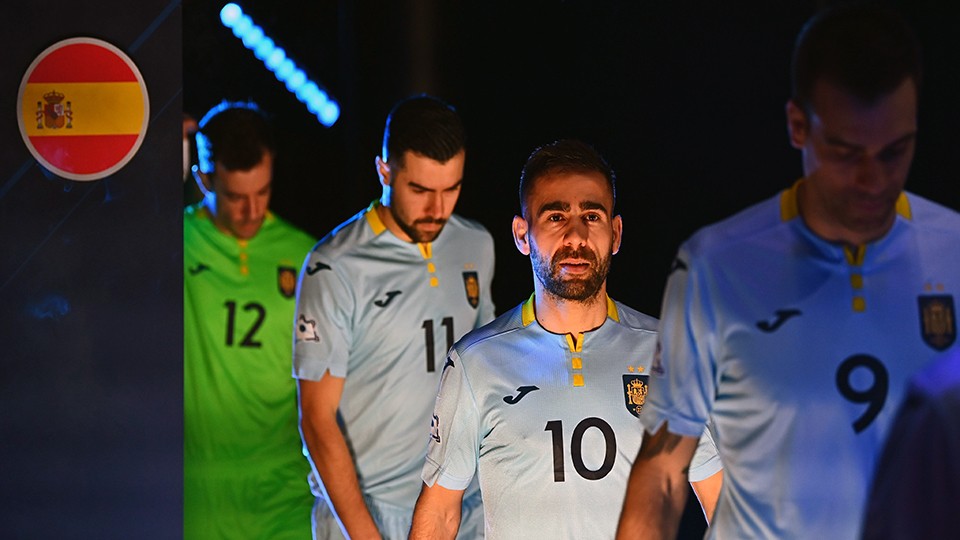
[424, 125]
[865, 49]
[234, 134]
[563, 156]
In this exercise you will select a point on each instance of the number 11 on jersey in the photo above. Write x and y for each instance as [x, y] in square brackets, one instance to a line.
[428, 338]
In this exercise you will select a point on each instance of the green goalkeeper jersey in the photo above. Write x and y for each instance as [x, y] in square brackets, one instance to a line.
[244, 470]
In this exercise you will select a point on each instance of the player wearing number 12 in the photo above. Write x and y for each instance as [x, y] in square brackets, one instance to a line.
[795, 324]
[543, 403]
[244, 472]
[380, 301]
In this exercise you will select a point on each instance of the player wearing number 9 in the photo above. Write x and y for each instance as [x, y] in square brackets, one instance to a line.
[380, 301]
[243, 469]
[795, 324]
[542, 403]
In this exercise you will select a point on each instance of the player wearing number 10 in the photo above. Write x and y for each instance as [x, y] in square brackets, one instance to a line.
[380, 301]
[543, 402]
[244, 472]
[795, 324]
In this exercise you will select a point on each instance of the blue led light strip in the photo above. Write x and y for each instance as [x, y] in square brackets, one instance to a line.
[276, 60]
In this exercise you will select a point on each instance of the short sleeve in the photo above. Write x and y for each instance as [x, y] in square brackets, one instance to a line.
[706, 460]
[683, 385]
[454, 446]
[323, 320]
[487, 310]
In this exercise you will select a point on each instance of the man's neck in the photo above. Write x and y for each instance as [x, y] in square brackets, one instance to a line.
[562, 316]
[386, 217]
[832, 231]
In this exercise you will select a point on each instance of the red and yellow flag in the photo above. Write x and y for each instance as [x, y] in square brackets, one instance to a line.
[83, 108]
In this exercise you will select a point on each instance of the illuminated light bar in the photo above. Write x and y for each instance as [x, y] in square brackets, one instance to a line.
[317, 101]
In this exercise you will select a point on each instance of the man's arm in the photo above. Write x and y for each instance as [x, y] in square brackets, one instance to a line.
[437, 514]
[708, 491]
[657, 489]
[331, 457]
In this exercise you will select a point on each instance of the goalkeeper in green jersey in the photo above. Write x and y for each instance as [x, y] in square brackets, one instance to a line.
[244, 470]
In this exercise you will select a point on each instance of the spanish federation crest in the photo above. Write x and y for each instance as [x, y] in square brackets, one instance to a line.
[938, 322]
[635, 392]
[471, 285]
[287, 280]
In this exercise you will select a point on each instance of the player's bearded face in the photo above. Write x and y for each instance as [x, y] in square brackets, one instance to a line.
[579, 287]
[423, 193]
[421, 230]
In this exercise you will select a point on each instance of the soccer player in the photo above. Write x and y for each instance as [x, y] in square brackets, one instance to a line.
[244, 469]
[543, 403]
[380, 301]
[916, 493]
[795, 324]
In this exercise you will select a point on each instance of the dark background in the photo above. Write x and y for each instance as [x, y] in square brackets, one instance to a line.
[684, 98]
[91, 312]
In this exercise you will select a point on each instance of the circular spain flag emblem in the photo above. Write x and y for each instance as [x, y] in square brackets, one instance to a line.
[83, 108]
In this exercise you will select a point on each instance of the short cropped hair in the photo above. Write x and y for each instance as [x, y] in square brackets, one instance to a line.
[867, 50]
[235, 135]
[563, 156]
[424, 125]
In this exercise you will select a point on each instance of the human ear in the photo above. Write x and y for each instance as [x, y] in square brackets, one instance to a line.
[797, 124]
[204, 182]
[520, 235]
[383, 171]
[617, 224]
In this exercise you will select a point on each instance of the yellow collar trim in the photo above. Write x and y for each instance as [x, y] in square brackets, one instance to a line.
[575, 347]
[903, 207]
[855, 255]
[790, 207]
[373, 219]
[612, 310]
[528, 315]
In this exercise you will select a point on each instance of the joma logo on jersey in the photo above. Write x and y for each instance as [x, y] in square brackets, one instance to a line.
[635, 388]
[383, 302]
[782, 316]
[521, 391]
[938, 322]
[200, 267]
[317, 266]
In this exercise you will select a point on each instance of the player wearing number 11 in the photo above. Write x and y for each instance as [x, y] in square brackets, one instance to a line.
[795, 324]
[380, 301]
[543, 402]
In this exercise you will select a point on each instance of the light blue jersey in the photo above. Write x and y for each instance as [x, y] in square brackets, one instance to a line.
[382, 313]
[548, 423]
[800, 350]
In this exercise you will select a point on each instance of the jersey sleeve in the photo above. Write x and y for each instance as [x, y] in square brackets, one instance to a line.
[323, 320]
[487, 310]
[683, 384]
[706, 460]
[454, 445]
